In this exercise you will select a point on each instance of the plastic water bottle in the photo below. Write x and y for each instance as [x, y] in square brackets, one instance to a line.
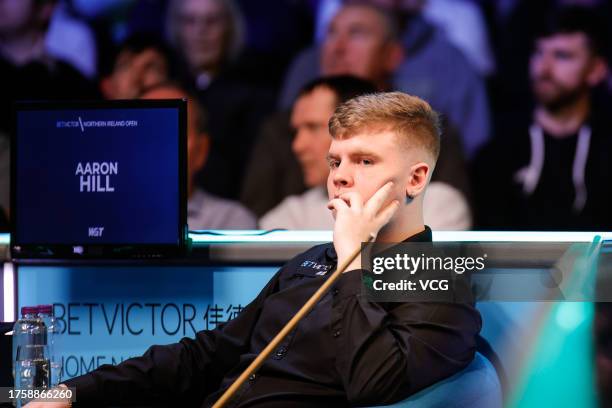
[31, 367]
[45, 312]
[21, 330]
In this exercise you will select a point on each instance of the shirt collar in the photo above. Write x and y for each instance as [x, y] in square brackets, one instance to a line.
[423, 236]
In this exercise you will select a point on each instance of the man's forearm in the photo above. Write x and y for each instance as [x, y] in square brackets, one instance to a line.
[163, 373]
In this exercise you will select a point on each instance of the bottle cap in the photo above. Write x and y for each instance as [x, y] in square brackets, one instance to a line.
[47, 309]
[28, 310]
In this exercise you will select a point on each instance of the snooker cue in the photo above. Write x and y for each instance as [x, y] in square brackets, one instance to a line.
[227, 395]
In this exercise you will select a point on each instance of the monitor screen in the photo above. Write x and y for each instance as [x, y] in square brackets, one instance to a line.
[98, 179]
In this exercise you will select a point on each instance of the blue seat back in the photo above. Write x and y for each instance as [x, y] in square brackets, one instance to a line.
[476, 386]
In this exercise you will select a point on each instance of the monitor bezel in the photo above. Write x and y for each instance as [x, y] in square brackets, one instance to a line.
[20, 250]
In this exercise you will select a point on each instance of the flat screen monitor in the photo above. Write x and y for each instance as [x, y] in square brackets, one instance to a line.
[100, 179]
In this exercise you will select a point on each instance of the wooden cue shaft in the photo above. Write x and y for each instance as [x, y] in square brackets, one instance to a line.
[227, 395]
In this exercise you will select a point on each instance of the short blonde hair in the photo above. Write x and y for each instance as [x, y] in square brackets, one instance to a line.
[411, 118]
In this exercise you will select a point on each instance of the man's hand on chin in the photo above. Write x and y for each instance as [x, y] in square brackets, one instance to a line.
[356, 222]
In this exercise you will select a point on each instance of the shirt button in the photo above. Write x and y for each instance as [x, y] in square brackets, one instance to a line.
[281, 351]
[337, 333]
[335, 291]
[252, 377]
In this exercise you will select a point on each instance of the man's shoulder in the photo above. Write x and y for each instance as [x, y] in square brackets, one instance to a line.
[220, 202]
[311, 198]
[325, 249]
[304, 211]
[226, 213]
[321, 254]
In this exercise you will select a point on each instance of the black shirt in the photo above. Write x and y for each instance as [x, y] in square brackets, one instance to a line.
[555, 181]
[346, 351]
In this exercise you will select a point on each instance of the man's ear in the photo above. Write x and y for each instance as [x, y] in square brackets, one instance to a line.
[395, 56]
[598, 72]
[419, 176]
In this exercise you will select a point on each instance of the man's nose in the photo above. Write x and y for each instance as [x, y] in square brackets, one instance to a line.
[342, 177]
[299, 143]
[543, 65]
[337, 44]
[340, 45]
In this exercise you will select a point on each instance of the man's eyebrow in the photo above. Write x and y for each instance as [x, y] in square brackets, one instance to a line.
[364, 152]
[357, 153]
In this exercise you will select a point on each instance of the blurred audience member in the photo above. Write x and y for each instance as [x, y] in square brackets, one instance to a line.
[461, 21]
[204, 210]
[444, 206]
[361, 40]
[27, 70]
[514, 25]
[273, 32]
[364, 39]
[142, 62]
[553, 174]
[207, 35]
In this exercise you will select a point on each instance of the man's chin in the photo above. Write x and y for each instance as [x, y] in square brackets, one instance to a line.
[337, 69]
[557, 103]
[546, 96]
[555, 99]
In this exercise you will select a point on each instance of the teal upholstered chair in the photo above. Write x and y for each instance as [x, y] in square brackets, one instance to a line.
[476, 386]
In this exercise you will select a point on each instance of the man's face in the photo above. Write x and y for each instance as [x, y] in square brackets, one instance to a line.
[134, 73]
[202, 32]
[365, 162]
[357, 43]
[309, 120]
[559, 69]
[15, 15]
